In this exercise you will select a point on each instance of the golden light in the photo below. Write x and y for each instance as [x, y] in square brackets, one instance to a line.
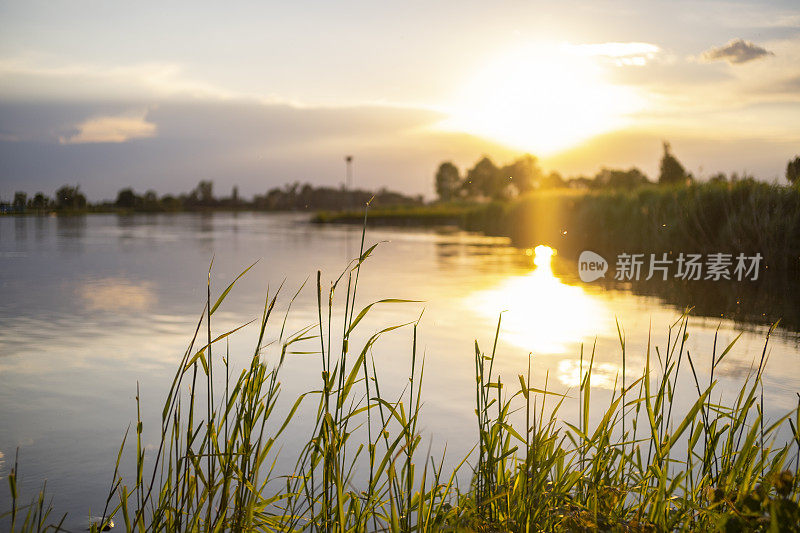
[542, 99]
[542, 258]
[542, 314]
[571, 372]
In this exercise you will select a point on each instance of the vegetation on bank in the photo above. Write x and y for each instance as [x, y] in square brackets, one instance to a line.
[292, 197]
[486, 181]
[742, 217]
[745, 216]
[645, 466]
[616, 211]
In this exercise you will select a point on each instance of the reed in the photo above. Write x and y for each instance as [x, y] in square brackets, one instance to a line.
[732, 217]
[744, 216]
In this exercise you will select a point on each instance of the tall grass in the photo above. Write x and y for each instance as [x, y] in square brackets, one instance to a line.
[643, 467]
[733, 217]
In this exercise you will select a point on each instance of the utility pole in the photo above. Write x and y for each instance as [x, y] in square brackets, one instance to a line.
[348, 159]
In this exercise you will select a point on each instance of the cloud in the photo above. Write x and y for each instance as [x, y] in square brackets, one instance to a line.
[45, 78]
[621, 54]
[110, 129]
[736, 51]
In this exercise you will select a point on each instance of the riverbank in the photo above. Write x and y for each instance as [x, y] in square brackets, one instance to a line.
[111, 210]
[456, 214]
[746, 217]
[432, 214]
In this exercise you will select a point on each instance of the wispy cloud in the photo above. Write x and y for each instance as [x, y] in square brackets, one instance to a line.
[621, 54]
[736, 51]
[111, 129]
[38, 76]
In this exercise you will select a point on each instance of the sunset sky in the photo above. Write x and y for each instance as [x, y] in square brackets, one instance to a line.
[256, 94]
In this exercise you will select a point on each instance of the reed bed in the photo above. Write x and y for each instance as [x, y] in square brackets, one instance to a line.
[730, 217]
[643, 467]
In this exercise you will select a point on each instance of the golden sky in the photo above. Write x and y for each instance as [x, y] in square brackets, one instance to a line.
[261, 93]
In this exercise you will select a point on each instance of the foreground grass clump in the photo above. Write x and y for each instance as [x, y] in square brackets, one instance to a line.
[643, 467]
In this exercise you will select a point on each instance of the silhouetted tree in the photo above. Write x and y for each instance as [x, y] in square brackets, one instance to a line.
[482, 179]
[552, 181]
[306, 196]
[20, 201]
[672, 171]
[150, 201]
[126, 199]
[580, 182]
[719, 177]
[524, 173]
[205, 192]
[68, 197]
[40, 201]
[793, 171]
[620, 179]
[448, 181]
[170, 203]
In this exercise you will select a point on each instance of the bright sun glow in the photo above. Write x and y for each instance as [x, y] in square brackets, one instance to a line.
[542, 314]
[542, 99]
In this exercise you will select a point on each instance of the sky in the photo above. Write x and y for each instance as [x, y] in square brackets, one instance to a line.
[161, 95]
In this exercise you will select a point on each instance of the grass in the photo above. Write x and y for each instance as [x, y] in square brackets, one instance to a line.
[733, 217]
[643, 467]
[745, 216]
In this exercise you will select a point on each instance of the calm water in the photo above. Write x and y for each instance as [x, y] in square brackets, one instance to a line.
[89, 306]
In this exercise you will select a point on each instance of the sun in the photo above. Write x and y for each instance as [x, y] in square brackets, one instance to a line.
[542, 99]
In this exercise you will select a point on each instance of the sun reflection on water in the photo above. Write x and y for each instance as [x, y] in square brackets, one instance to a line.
[571, 373]
[542, 314]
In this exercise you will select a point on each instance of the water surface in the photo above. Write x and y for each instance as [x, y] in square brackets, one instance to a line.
[89, 306]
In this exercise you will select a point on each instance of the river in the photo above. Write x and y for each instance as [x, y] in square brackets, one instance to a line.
[91, 305]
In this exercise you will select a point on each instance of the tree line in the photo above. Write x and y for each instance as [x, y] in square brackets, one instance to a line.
[485, 180]
[66, 197]
[294, 196]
